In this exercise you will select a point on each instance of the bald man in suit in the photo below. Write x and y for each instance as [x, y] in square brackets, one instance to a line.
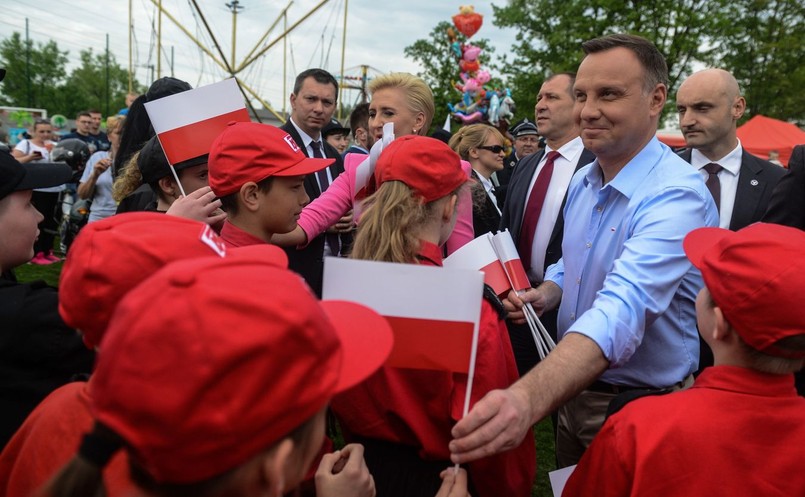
[710, 104]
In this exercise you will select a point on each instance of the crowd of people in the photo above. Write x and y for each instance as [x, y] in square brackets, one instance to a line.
[188, 351]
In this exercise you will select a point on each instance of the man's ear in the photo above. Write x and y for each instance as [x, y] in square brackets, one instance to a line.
[274, 467]
[249, 196]
[658, 97]
[738, 107]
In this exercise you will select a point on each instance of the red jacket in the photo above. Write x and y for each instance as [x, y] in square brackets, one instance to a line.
[49, 438]
[734, 432]
[419, 408]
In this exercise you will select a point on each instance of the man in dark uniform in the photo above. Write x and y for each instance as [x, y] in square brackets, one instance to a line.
[526, 142]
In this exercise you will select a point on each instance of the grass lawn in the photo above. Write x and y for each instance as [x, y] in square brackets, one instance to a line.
[543, 431]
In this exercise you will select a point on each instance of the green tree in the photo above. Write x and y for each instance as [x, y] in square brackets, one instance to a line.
[550, 33]
[35, 72]
[86, 87]
[763, 46]
[441, 69]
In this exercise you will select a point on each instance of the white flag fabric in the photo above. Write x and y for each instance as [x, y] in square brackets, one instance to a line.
[433, 311]
[480, 255]
[187, 123]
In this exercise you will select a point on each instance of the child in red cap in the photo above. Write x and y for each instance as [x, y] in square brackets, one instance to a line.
[740, 429]
[107, 260]
[258, 172]
[221, 388]
[404, 416]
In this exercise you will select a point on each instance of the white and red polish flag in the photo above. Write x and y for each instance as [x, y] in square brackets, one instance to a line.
[507, 253]
[434, 312]
[480, 255]
[187, 123]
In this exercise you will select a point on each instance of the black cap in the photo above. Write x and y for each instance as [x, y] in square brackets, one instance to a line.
[334, 127]
[523, 128]
[166, 86]
[15, 177]
[153, 163]
[2, 73]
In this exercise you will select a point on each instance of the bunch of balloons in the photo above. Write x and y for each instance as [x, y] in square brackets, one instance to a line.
[477, 102]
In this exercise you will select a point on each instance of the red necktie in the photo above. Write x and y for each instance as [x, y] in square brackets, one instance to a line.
[533, 209]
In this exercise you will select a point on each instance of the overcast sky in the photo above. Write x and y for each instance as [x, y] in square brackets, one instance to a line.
[377, 33]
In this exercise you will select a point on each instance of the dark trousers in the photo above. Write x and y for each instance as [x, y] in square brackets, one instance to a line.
[398, 470]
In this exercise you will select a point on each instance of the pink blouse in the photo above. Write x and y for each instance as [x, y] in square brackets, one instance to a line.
[336, 201]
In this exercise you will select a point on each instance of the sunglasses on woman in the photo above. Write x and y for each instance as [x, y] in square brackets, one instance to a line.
[495, 149]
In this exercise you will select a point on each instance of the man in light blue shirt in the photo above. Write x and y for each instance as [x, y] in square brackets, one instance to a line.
[627, 291]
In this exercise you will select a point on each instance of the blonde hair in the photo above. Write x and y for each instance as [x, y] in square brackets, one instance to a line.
[387, 231]
[418, 94]
[128, 180]
[115, 123]
[473, 136]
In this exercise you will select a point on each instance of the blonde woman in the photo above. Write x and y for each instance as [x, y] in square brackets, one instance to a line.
[484, 148]
[406, 101]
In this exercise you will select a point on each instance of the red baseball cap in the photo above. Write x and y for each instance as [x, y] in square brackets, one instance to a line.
[755, 276]
[112, 256]
[246, 152]
[427, 165]
[236, 356]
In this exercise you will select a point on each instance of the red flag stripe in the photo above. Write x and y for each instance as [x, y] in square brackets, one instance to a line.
[431, 344]
[193, 140]
[495, 276]
[517, 273]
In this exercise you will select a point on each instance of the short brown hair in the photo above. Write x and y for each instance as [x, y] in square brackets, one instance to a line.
[650, 58]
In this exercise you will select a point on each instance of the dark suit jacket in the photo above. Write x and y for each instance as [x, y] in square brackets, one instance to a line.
[485, 217]
[309, 261]
[787, 204]
[517, 197]
[525, 352]
[756, 182]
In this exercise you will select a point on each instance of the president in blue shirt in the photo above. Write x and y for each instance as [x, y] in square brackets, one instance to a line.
[625, 289]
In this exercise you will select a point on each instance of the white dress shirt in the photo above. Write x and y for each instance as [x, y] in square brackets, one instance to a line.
[489, 189]
[728, 177]
[563, 168]
[308, 141]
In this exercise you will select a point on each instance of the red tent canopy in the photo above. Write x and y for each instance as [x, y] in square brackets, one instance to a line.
[761, 135]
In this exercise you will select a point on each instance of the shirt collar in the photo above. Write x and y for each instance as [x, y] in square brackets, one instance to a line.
[306, 138]
[629, 179]
[570, 151]
[429, 254]
[236, 237]
[731, 162]
[484, 182]
[745, 380]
